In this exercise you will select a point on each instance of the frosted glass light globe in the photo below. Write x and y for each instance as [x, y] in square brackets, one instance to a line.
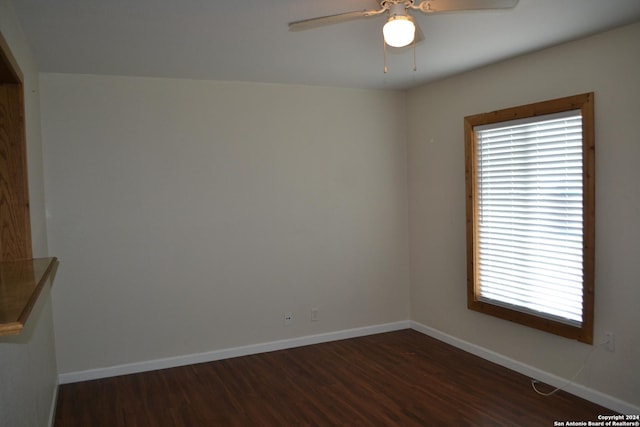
[399, 31]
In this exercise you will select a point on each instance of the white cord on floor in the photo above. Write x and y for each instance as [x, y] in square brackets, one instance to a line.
[572, 380]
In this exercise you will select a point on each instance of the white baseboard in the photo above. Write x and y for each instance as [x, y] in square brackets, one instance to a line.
[579, 390]
[210, 356]
[172, 362]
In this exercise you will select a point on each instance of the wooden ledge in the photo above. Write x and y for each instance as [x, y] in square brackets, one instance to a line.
[21, 283]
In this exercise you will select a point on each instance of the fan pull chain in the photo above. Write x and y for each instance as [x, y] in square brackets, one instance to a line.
[414, 54]
[384, 53]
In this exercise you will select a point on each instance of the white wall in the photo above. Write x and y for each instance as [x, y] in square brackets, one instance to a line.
[609, 65]
[28, 374]
[189, 216]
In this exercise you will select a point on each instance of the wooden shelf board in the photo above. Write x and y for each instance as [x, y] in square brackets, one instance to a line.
[21, 283]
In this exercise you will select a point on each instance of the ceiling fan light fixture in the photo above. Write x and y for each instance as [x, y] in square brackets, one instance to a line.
[399, 31]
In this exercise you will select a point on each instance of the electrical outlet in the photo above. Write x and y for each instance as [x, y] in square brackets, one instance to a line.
[288, 319]
[314, 314]
[610, 340]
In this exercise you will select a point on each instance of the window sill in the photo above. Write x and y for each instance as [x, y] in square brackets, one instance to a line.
[21, 283]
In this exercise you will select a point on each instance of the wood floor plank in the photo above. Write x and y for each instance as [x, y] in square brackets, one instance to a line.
[401, 378]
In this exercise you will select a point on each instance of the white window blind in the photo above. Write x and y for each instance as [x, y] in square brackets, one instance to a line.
[530, 214]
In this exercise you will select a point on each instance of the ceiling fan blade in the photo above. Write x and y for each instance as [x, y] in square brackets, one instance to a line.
[431, 6]
[307, 24]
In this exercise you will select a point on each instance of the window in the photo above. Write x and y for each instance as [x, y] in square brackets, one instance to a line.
[530, 215]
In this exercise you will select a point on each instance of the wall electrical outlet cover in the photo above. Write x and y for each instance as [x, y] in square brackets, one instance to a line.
[288, 319]
[314, 314]
[610, 340]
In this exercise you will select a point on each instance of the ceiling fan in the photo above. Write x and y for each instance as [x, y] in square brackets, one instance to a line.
[400, 28]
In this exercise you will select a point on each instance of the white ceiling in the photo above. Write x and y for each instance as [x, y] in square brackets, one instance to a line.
[249, 40]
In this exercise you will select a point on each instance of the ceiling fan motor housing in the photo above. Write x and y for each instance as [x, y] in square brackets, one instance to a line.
[398, 9]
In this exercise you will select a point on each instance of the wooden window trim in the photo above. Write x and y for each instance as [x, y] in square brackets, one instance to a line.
[584, 103]
[15, 220]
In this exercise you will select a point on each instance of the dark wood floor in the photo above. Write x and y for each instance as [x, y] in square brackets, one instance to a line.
[400, 378]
